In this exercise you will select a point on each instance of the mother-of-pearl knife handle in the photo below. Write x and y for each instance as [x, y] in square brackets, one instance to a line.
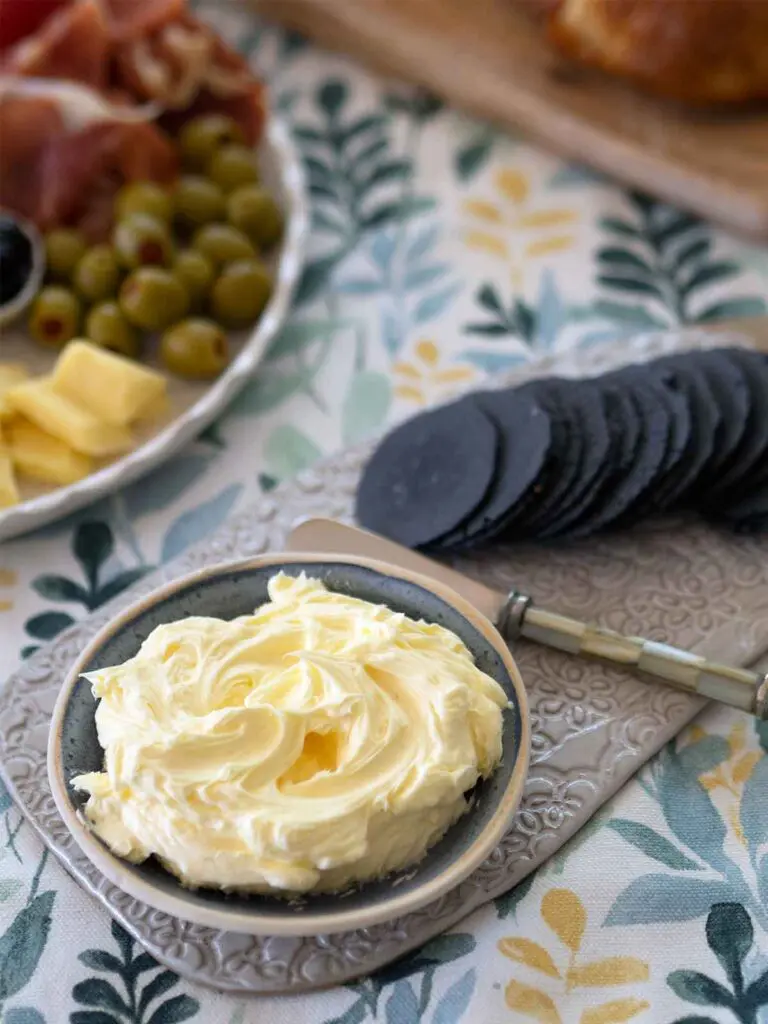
[738, 687]
[516, 616]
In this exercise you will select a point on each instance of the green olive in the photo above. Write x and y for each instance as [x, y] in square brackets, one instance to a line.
[221, 244]
[240, 293]
[106, 327]
[197, 273]
[200, 138]
[143, 197]
[55, 316]
[255, 212]
[63, 249]
[195, 348]
[141, 240]
[197, 201]
[233, 166]
[153, 298]
[97, 275]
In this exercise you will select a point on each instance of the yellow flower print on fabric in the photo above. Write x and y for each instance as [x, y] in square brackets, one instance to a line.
[424, 378]
[730, 775]
[514, 228]
[564, 914]
[7, 579]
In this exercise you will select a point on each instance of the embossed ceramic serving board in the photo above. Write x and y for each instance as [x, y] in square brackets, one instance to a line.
[592, 726]
[489, 57]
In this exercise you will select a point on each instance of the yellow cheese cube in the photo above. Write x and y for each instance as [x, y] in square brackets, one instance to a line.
[113, 388]
[11, 374]
[71, 423]
[9, 494]
[43, 457]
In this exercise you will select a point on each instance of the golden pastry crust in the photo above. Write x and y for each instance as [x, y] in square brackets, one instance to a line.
[697, 51]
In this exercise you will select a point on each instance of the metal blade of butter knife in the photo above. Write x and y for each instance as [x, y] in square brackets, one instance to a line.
[326, 536]
[515, 616]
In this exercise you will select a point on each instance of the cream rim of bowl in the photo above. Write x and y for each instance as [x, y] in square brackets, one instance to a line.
[119, 872]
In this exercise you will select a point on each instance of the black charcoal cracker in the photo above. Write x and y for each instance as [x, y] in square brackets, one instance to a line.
[643, 375]
[565, 459]
[729, 388]
[525, 438]
[429, 474]
[627, 430]
[677, 458]
[681, 373]
[751, 456]
[593, 425]
[640, 478]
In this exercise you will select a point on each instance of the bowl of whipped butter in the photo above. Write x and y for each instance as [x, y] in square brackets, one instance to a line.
[292, 745]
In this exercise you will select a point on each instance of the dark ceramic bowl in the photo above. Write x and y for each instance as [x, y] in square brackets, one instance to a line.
[232, 590]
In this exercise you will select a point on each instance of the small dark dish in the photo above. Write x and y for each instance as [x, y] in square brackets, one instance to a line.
[233, 590]
[22, 265]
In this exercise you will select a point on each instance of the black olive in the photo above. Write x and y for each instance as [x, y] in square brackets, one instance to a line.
[16, 259]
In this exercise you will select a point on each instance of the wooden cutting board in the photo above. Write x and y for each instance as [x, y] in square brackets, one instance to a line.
[488, 57]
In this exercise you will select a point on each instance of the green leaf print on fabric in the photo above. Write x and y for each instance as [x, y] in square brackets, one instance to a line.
[663, 257]
[413, 1001]
[697, 829]
[689, 811]
[538, 327]
[413, 285]
[293, 362]
[473, 155]
[455, 1000]
[417, 103]
[47, 625]
[135, 1001]
[652, 844]
[92, 546]
[22, 945]
[506, 904]
[761, 730]
[356, 182]
[194, 524]
[570, 175]
[754, 823]
[730, 936]
[288, 451]
[23, 1015]
[365, 406]
[518, 318]
[402, 1007]
[653, 898]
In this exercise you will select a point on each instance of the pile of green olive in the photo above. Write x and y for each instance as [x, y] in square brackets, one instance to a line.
[185, 262]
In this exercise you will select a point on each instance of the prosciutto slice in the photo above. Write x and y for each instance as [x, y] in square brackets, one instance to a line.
[134, 52]
[72, 43]
[54, 176]
[151, 50]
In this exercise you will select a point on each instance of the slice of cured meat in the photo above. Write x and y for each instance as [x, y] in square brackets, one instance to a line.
[187, 68]
[27, 127]
[81, 172]
[57, 177]
[131, 19]
[20, 18]
[72, 44]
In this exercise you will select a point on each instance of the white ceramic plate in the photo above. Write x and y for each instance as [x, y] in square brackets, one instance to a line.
[193, 405]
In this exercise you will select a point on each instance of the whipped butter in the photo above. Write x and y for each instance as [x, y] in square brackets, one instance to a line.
[321, 741]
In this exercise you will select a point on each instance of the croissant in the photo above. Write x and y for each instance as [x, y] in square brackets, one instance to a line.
[697, 51]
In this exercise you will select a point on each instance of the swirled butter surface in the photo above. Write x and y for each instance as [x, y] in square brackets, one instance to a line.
[321, 741]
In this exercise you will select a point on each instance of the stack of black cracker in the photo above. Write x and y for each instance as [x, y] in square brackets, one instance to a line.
[560, 458]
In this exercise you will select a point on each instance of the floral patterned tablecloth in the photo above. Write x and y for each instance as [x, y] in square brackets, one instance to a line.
[442, 249]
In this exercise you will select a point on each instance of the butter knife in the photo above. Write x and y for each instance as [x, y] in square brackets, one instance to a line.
[515, 615]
